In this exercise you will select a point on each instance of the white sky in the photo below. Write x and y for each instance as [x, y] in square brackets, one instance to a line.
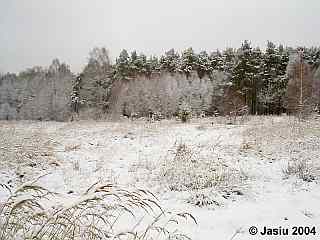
[33, 32]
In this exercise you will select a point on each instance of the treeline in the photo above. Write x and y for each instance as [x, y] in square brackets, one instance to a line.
[37, 93]
[259, 75]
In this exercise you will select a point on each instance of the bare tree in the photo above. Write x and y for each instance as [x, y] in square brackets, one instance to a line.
[316, 89]
[299, 89]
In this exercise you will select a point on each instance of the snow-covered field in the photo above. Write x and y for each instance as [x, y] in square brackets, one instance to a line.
[260, 172]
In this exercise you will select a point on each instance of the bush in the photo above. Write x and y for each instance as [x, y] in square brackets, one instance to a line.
[300, 169]
[202, 200]
[185, 112]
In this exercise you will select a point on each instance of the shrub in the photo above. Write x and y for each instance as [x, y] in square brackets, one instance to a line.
[185, 112]
[301, 169]
[202, 200]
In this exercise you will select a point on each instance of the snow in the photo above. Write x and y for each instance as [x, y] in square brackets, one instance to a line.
[132, 153]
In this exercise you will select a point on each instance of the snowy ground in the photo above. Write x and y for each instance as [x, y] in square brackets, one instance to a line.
[252, 157]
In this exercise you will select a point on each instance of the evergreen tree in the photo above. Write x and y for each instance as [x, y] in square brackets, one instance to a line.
[274, 80]
[216, 60]
[284, 53]
[188, 61]
[229, 58]
[246, 73]
[203, 64]
[257, 62]
[95, 81]
[312, 56]
[133, 64]
[122, 68]
[142, 63]
[152, 65]
[170, 61]
[138, 63]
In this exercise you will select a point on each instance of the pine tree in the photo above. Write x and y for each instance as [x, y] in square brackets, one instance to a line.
[138, 64]
[152, 65]
[284, 53]
[203, 64]
[122, 68]
[312, 56]
[229, 59]
[257, 61]
[96, 80]
[142, 63]
[245, 73]
[188, 61]
[242, 69]
[170, 61]
[274, 80]
[216, 60]
[133, 63]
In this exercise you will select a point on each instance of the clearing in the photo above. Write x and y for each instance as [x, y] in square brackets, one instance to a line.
[263, 171]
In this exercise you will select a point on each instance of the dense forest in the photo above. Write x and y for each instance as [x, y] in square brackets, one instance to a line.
[260, 77]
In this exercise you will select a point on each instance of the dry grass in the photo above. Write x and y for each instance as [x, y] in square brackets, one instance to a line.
[301, 169]
[99, 213]
[296, 141]
[187, 169]
[203, 199]
[72, 147]
[22, 148]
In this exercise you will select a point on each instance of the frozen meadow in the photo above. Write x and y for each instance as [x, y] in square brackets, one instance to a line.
[259, 171]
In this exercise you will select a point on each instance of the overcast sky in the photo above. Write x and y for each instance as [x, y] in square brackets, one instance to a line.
[33, 32]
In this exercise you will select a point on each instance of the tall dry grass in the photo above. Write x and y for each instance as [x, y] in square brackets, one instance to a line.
[289, 139]
[188, 169]
[103, 211]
